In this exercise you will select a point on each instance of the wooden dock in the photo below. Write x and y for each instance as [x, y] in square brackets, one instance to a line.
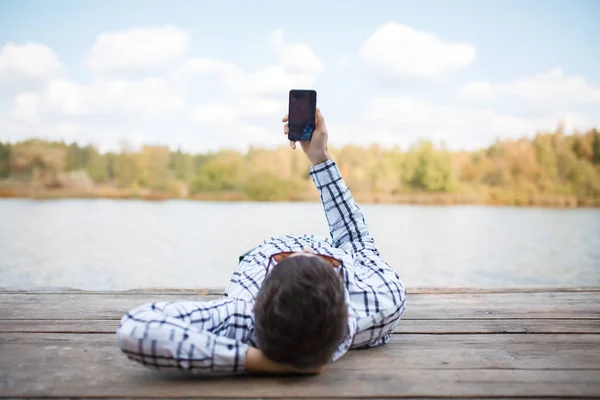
[451, 343]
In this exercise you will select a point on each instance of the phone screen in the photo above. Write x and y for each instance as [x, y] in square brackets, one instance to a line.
[301, 114]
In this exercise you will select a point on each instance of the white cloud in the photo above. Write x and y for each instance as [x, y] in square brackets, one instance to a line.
[550, 88]
[257, 106]
[241, 108]
[204, 103]
[480, 90]
[275, 79]
[30, 60]
[138, 49]
[218, 113]
[232, 112]
[468, 128]
[353, 133]
[151, 98]
[251, 99]
[107, 137]
[298, 67]
[398, 50]
[397, 110]
[459, 126]
[102, 112]
[203, 65]
[26, 106]
[297, 57]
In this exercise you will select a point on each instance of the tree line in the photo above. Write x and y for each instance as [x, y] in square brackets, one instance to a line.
[552, 168]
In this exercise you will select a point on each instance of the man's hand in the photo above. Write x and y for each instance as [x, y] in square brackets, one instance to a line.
[316, 150]
[257, 363]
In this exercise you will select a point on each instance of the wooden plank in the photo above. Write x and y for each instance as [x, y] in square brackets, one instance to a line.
[333, 384]
[502, 351]
[575, 305]
[475, 351]
[525, 289]
[494, 326]
[317, 398]
[79, 306]
[412, 365]
[433, 327]
[218, 292]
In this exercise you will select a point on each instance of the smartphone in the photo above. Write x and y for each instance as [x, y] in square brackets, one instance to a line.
[301, 114]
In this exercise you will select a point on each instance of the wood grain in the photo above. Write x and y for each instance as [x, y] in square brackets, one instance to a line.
[411, 365]
[218, 292]
[503, 351]
[336, 383]
[471, 343]
[80, 306]
[432, 327]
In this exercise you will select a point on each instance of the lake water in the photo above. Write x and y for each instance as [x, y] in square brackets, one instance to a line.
[115, 245]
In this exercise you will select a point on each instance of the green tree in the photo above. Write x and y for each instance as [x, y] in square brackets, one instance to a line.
[40, 160]
[221, 173]
[76, 157]
[596, 157]
[268, 186]
[96, 165]
[5, 151]
[508, 171]
[182, 165]
[154, 167]
[546, 156]
[433, 170]
[127, 170]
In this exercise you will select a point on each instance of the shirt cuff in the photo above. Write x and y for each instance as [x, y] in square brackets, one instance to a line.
[325, 173]
[229, 356]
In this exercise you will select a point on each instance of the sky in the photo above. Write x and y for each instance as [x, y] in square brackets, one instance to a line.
[206, 75]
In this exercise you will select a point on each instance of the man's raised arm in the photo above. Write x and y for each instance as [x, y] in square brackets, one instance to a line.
[346, 222]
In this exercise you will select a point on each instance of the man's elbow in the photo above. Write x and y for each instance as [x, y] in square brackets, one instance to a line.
[129, 326]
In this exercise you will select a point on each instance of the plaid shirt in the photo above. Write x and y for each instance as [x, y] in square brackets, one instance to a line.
[212, 337]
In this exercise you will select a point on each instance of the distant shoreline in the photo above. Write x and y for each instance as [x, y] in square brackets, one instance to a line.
[549, 170]
[434, 199]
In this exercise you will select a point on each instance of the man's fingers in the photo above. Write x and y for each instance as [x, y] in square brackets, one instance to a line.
[319, 117]
[293, 145]
[285, 118]
[286, 129]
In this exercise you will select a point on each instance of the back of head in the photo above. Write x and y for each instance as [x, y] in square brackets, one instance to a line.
[300, 312]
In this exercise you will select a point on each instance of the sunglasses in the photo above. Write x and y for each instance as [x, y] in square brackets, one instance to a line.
[278, 257]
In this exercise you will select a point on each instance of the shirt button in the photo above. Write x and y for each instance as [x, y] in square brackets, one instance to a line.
[230, 346]
[185, 336]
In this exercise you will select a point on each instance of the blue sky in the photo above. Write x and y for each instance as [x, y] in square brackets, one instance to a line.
[205, 75]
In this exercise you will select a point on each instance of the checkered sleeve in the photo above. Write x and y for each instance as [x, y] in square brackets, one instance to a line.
[199, 337]
[346, 221]
[379, 291]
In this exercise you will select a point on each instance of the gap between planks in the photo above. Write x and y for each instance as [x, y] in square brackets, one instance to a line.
[407, 326]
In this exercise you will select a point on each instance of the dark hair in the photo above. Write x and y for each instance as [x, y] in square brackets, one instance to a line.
[300, 312]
